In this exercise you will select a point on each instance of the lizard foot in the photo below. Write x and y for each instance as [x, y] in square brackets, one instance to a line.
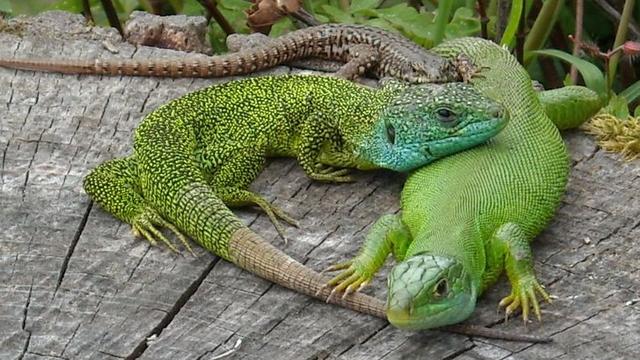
[274, 213]
[145, 224]
[232, 196]
[523, 295]
[352, 279]
[330, 173]
[466, 68]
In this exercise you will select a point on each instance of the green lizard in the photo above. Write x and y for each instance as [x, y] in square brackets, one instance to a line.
[326, 123]
[468, 217]
[196, 155]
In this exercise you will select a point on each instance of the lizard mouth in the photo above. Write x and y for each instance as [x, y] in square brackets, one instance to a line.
[467, 137]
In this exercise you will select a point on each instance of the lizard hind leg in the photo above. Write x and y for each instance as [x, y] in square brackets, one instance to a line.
[115, 186]
[232, 177]
[235, 197]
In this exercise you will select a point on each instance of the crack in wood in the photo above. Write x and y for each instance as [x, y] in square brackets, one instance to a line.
[171, 314]
[72, 247]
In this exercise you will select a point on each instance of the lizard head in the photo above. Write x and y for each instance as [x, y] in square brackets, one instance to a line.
[425, 122]
[428, 291]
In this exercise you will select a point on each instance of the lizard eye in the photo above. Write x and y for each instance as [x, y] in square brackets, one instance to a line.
[391, 134]
[441, 289]
[447, 117]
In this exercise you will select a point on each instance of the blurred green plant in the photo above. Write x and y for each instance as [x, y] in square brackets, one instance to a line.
[430, 22]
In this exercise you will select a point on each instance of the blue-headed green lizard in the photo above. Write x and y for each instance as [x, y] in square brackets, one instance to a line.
[470, 216]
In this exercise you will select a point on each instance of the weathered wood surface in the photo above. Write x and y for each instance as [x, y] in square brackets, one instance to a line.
[74, 284]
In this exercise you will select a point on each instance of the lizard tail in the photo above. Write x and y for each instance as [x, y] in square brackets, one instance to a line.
[126, 67]
[64, 67]
[251, 252]
[243, 62]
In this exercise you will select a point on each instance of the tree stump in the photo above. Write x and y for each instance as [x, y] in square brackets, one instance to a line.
[75, 284]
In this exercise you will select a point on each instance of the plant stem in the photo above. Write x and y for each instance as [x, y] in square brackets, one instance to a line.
[86, 10]
[212, 9]
[577, 38]
[484, 19]
[621, 36]
[541, 28]
[615, 16]
[112, 16]
[442, 19]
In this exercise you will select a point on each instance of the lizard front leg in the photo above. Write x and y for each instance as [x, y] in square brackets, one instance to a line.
[518, 262]
[360, 59]
[115, 186]
[388, 235]
[318, 136]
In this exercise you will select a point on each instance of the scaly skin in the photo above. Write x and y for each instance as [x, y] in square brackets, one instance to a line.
[196, 155]
[361, 48]
[469, 217]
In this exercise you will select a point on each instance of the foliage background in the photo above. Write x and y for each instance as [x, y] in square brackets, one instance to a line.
[547, 24]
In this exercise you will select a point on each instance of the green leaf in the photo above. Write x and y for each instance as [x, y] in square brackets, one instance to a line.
[240, 5]
[281, 27]
[632, 92]
[129, 5]
[367, 13]
[592, 75]
[336, 14]
[617, 107]
[381, 23]
[463, 23]
[402, 15]
[74, 6]
[5, 7]
[417, 26]
[636, 112]
[357, 5]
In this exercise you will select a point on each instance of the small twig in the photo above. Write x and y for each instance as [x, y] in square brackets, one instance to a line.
[86, 11]
[484, 19]
[615, 16]
[305, 17]
[345, 5]
[214, 12]
[156, 6]
[577, 38]
[112, 16]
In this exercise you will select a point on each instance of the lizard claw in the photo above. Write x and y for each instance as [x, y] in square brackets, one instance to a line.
[351, 279]
[523, 295]
[274, 213]
[336, 267]
[467, 69]
[330, 173]
[145, 226]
